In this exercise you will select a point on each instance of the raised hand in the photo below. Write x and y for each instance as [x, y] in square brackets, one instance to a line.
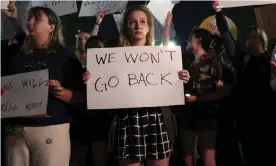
[100, 16]
[216, 6]
[11, 12]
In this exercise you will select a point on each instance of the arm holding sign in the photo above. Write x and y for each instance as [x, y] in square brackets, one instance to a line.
[99, 19]
[184, 75]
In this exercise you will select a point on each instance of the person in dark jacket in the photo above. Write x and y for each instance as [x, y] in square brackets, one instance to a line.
[252, 95]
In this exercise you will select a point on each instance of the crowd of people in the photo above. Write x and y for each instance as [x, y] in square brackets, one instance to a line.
[229, 94]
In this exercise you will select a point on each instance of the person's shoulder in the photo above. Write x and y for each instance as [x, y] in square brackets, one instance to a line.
[65, 52]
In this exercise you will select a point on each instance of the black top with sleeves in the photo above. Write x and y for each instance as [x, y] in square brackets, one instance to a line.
[63, 66]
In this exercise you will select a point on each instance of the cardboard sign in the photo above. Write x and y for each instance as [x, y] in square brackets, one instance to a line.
[91, 8]
[130, 77]
[24, 94]
[239, 3]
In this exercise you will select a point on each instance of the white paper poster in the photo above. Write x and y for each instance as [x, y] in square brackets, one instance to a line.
[129, 77]
[60, 7]
[239, 3]
[91, 8]
[24, 94]
[4, 4]
[160, 9]
[118, 18]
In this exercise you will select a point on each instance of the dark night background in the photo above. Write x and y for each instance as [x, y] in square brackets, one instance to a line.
[187, 15]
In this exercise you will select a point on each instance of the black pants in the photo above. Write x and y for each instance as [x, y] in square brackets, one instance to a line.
[227, 145]
[257, 141]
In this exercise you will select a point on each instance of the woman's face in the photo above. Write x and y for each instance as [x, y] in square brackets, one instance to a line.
[254, 41]
[138, 27]
[40, 25]
[83, 37]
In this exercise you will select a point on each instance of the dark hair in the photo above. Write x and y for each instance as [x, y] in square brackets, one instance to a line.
[205, 37]
[92, 42]
[56, 37]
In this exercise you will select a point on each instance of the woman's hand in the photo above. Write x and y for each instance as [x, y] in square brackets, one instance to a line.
[86, 77]
[191, 99]
[216, 6]
[100, 17]
[184, 75]
[56, 89]
[11, 12]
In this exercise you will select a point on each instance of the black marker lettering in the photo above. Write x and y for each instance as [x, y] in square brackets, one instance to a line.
[130, 55]
[111, 58]
[8, 87]
[33, 83]
[170, 53]
[96, 85]
[132, 77]
[148, 79]
[112, 83]
[153, 58]
[163, 78]
[146, 57]
[116, 79]
[32, 105]
[142, 79]
[8, 107]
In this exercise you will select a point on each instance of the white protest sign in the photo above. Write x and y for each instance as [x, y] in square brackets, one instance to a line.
[4, 4]
[160, 9]
[60, 7]
[91, 8]
[118, 18]
[239, 3]
[130, 77]
[25, 94]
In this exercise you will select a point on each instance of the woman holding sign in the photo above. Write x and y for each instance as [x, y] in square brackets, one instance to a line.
[45, 141]
[141, 133]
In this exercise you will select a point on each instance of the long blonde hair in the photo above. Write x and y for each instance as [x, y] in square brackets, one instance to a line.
[124, 35]
[56, 36]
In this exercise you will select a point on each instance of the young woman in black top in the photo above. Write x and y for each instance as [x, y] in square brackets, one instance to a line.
[45, 140]
[141, 134]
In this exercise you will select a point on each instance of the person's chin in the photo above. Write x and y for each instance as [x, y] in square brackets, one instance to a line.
[139, 37]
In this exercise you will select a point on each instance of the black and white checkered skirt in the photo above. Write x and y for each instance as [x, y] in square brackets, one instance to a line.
[141, 134]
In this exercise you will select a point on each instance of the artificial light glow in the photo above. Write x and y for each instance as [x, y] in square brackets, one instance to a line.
[171, 44]
[153, 43]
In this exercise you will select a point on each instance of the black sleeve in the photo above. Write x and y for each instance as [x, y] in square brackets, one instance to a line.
[228, 41]
[73, 73]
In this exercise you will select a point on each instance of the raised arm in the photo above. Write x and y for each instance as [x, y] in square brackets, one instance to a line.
[222, 25]
[11, 13]
[167, 28]
[99, 19]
